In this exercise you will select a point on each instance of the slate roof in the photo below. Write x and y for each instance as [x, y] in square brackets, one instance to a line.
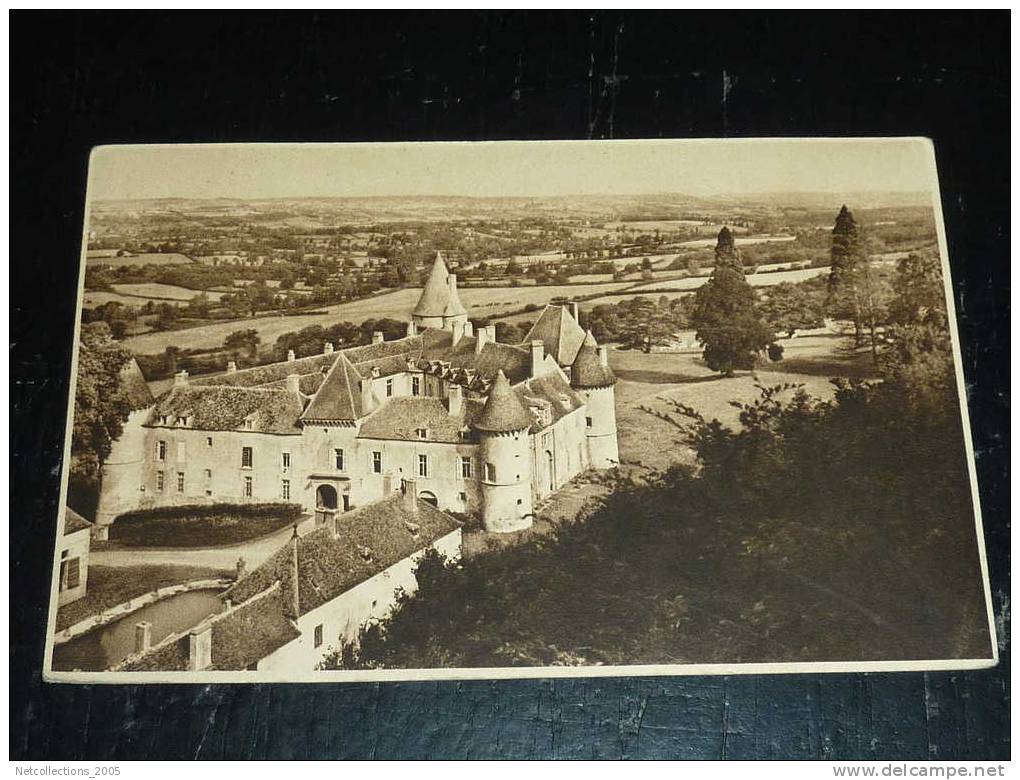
[73, 522]
[226, 408]
[371, 538]
[551, 392]
[503, 411]
[339, 398]
[514, 361]
[274, 372]
[400, 418]
[135, 388]
[587, 370]
[559, 331]
[438, 298]
[251, 631]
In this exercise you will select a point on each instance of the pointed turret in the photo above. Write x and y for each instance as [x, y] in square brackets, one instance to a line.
[590, 368]
[344, 396]
[503, 411]
[439, 305]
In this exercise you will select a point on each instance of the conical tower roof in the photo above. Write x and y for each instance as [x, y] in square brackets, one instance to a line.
[439, 296]
[339, 397]
[587, 370]
[503, 411]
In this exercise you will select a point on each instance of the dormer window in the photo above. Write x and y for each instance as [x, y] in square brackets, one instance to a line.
[249, 423]
[164, 419]
[423, 433]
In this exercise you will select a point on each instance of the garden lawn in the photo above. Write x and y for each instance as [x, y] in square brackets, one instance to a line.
[109, 586]
[198, 528]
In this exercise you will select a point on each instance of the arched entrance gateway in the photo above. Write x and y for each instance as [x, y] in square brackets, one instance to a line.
[429, 497]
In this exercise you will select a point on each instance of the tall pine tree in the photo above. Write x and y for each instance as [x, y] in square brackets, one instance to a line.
[853, 292]
[726, 318]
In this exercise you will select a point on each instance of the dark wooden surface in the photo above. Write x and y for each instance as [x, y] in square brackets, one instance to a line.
[85, 79]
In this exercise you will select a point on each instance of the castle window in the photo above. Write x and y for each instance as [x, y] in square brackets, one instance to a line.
[462, 497]
[246, 457]
[159, 481]
[338, 459]
[208, 441]
[285, 490]
[208, 473]
[160, 450]
[587, 422]
[247, 487]
[318, 635]
[377, 462]
[465, 467]
[423, 433]
[490, 472]
[180, 481]
[415, 385]
[423, 465]
[389, 388]
[286, 461]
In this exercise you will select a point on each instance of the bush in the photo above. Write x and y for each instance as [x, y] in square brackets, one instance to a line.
[775, 352]
[201, 525]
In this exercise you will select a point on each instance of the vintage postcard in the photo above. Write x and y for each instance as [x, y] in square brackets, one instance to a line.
[452, 410]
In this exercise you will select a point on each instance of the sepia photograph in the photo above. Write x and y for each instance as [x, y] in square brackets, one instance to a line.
[356, 412]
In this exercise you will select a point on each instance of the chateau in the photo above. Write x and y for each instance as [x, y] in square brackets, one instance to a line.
[481, 427]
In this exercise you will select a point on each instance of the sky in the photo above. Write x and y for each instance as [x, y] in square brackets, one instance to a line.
[517, 168]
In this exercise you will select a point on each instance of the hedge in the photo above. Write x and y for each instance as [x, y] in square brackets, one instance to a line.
[202, 525]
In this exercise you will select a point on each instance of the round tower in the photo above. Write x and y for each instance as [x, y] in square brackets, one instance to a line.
[505, 468]
[594, 380]
[439, 305]
[123, 471]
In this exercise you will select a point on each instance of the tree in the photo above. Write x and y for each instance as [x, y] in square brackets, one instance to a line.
[725, 317]
[101, 406]
[789, 307]
[244, 342]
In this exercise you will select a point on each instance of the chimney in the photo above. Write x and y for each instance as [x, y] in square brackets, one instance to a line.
[574, 312]
[377, 337]
[455, 400]
[327, 348]
[537, 355]
[409, 495]
[412, 329]
[181, 379]
[231, 367]
[294, 383]
[469, 329]
[492, 333]
[458, 331]
[200, 648]
[290, 356]
[143, 636]
[367, 396]
[376, 373]
[481, 340]
[604, 355]
[240, 567]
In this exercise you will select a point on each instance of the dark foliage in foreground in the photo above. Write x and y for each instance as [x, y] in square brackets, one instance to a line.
[817, 531]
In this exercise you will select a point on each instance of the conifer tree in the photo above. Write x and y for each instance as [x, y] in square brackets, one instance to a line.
[726, 318]
[852, 293]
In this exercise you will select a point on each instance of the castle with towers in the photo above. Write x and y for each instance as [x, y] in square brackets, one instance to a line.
[474, 425]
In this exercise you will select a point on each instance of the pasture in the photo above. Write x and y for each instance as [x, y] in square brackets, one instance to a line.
[480, 302]
[167, 258]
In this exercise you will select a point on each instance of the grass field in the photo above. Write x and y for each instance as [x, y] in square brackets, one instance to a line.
[652, 380]
[480, 302]
[755, 280]
[162, 291]
[168, 258]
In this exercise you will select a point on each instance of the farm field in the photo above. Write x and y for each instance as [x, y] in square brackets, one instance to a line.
[740, 241]
[163, 292]
[652, 380]
[168, 258]
[480, 302]
[755, 280]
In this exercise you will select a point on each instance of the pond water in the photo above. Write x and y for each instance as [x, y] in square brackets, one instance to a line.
[101, 648]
